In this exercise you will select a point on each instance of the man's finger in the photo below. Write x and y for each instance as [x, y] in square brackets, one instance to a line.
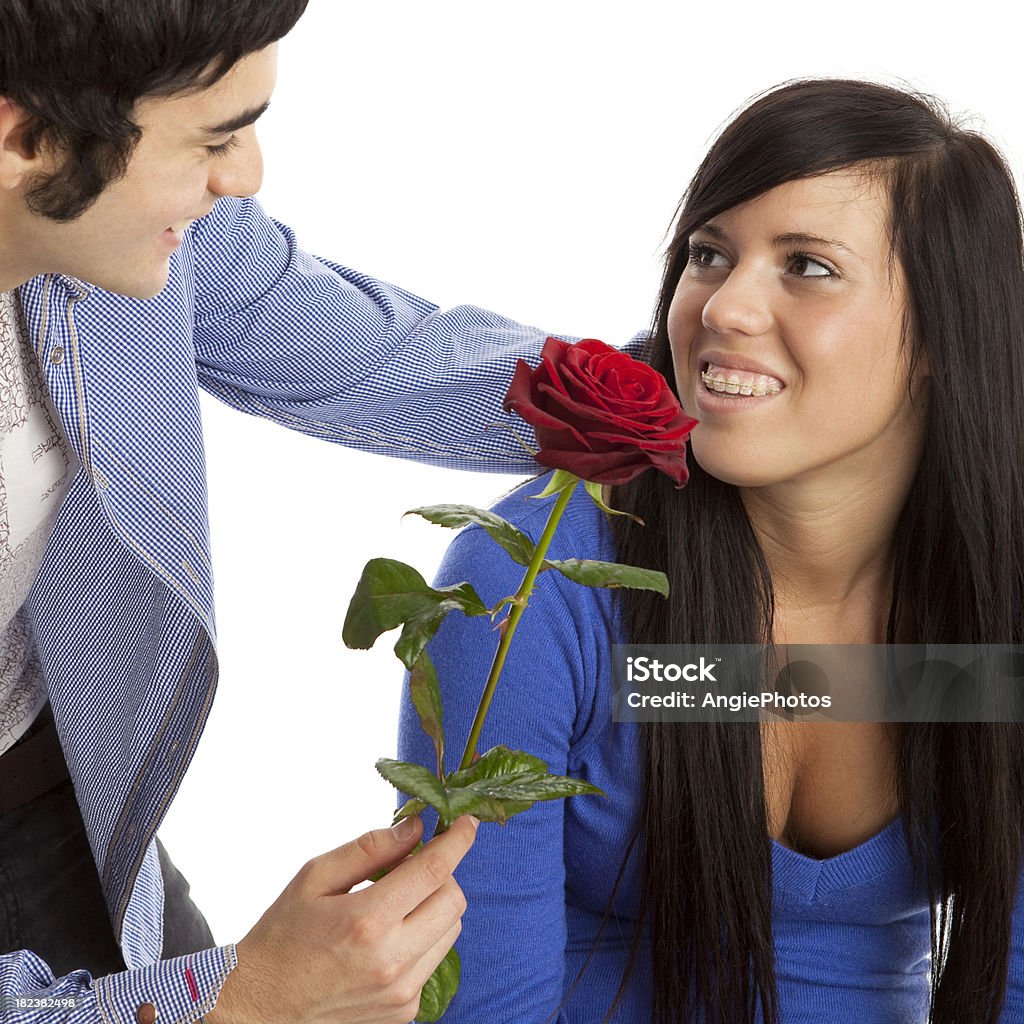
[434, 918]
[416, 878]
[433, 956]
[339, 870]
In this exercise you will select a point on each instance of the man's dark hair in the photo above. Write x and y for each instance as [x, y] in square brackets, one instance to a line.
[80, 66]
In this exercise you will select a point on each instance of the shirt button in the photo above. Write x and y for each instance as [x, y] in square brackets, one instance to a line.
[57, 356]
[147, 1013]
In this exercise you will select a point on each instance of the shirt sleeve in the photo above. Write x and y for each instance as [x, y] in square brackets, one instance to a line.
[181, 990]
[513, 943]
[336, 354]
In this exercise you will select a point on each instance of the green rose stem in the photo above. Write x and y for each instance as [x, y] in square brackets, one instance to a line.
[501, 782]
[508, 625]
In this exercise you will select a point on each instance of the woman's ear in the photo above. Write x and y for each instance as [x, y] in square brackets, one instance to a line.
[924, 369]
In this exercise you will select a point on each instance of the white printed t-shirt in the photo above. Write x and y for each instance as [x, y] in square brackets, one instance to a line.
[36, 468]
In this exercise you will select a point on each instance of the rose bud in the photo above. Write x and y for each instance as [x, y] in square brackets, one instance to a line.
[600, 414]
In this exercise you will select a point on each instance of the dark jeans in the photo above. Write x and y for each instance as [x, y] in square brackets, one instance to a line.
[50, 897]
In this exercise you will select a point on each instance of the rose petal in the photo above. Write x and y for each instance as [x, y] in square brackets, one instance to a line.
[580, 411]
[600, 414]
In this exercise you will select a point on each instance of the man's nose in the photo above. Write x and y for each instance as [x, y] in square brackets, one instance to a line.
[239, 173]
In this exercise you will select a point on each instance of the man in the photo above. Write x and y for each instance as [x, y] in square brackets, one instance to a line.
[127, 159]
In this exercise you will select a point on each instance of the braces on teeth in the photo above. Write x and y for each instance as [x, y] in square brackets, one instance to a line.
[732, 384]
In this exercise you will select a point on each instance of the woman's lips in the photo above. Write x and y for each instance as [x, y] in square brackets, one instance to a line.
[727, 389]
[739, 381]
[745, 364]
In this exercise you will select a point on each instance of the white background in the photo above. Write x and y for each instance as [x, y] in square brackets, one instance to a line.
[526, 157]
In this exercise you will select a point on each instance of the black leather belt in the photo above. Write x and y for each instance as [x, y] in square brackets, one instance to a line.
[33, 766]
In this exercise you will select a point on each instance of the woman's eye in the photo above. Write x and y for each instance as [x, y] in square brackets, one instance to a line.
[807, 266]
[704, 256]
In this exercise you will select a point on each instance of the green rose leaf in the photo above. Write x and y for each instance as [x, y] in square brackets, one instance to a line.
[483, 806]
[514, 541]
[498, 761]
[596, 492]
[408, 809]
[610, 574]
[418, 782]
[499, 798]
[422, 626]
[390, 594]
[440, 988]
[426, 698]
[504, 782]
[530, 789]
[471, 790]
[560, 479]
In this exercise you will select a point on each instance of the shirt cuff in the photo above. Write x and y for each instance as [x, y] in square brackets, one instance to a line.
[182, 989]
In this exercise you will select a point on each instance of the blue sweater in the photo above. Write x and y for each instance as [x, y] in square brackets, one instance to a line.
[851, 931]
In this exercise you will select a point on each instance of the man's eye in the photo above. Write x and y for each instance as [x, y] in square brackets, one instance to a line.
[704, 256]
[223, 147]
[808, 266]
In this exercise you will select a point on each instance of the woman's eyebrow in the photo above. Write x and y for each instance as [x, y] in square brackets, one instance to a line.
[713, 230]
[789, 238]
[801, 238]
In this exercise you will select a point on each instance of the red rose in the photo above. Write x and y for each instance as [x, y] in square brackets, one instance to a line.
[600, 414]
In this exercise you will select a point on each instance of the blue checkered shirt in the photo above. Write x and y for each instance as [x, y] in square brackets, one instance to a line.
[123, 604]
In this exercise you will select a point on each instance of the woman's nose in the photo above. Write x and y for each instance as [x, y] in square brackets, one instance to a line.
[741, 304]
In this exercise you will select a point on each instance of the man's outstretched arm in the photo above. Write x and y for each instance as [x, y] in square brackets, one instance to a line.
[336, 354]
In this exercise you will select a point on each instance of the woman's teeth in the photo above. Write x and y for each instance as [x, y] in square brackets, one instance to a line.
[739, 382]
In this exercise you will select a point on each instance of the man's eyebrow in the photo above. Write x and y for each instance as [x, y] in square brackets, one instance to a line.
[790, 238]
[245, 118]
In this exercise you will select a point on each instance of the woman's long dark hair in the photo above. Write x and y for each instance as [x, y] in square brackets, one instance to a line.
[956, 230]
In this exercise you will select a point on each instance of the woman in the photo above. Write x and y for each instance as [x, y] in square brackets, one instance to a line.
[843, 311]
